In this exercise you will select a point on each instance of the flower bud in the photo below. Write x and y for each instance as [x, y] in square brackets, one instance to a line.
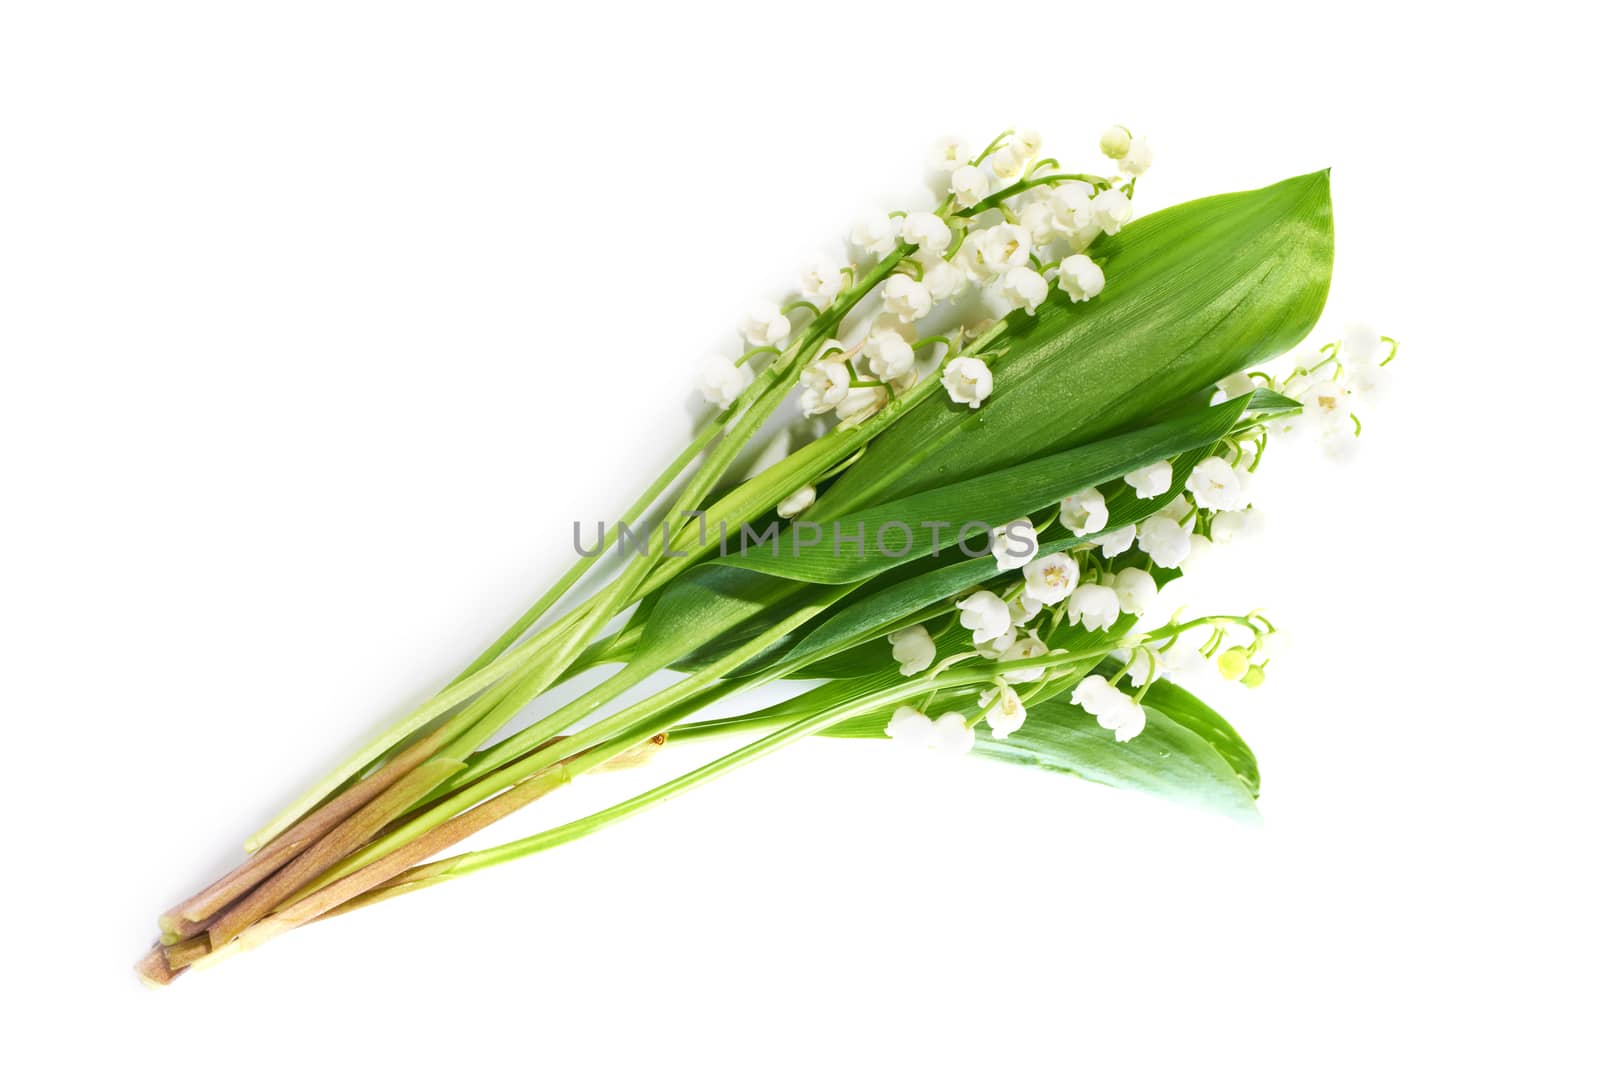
[1234, 663]
[1115, 141]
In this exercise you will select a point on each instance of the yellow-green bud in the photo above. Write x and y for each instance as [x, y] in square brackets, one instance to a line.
[1233, 663]
[1254, 677]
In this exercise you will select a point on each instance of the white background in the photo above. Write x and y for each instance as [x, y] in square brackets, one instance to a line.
[319, 323]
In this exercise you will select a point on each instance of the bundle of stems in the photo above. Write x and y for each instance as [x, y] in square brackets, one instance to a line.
[1078, 412]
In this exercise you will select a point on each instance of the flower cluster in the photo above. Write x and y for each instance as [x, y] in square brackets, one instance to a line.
[1008, 226]
[1068, 598]
[1336, 386]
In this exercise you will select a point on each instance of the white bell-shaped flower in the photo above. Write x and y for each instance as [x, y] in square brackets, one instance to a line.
[906, 298]
[1151, 481]
[1050, 579]
[797, 502]
[925, 230]
[913, 649]
[985, 615]
[1215, 485]
[1085, 512]
[721, 381]
[1014, 544]
[968, 381]
[1094, 606]
[1002, 710]
[1164, 540]
[969, 185]
[1081, 278]
[1136, 591]
[765, 324]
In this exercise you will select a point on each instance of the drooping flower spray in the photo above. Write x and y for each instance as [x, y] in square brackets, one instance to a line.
[1015, 437]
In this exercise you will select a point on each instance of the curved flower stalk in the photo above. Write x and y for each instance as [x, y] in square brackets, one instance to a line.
[1016, 383]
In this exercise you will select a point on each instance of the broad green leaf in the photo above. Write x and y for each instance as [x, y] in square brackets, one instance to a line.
[1168, 758]
[1186, 752]
[1193, 294]
[1187, 710]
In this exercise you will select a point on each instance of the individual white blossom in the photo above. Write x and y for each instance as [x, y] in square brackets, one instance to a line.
[820, 281]
[888, 356]
[949, 734]
[969, 185]
[952, 736]
[1164, 540]
[913, 649]
[1236, 385]
[968, 381]
[1002, 710]
[1024, 608]
[1136, 591]
[1093, 694]
[1049, 579]
[910, 727]
[1112, 209]
[765, 324]
[1093, 605]
[823, 385]
[1125, 718]
[906, 298]
[1026, 143]
[797, 502]
[1084, 512]
[1325, 404]
[721, 381]
[1112, 709]
[1039, 220]
[986, 615]
[925, 230]
[1115, 141]
[1215, 485]
[860, 403]
[1081, 278]
[1234, 526]
[1007, 163]
[1137, 159]
[1024, 649]
[1071, 207]
[1151, 481]
[1115, 542]
[1000, 248]
[942, 278]
[1025, 288]
[1014, 544]
[947, 154]
[874, 235]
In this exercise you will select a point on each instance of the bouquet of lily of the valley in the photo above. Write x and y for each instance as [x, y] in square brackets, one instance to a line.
[1024, 413]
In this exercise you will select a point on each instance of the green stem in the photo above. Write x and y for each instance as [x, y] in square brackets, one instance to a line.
[967, 678]
[747, 418]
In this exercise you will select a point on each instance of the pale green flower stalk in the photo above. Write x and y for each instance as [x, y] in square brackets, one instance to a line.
[1014, 222]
